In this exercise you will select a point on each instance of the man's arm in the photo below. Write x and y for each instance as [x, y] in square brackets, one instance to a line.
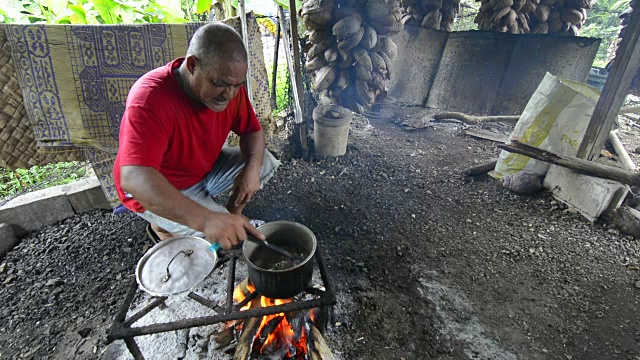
[157, 195]
[247, 183]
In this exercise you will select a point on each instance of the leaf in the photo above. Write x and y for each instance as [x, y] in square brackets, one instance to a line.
[128, 16]
[13, 9]
[56, 7]
[79, 13]
[203, 6]
[619, 6]
[106, 9]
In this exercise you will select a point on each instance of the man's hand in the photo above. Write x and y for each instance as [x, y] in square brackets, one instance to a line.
[229, 230]
[245, 185]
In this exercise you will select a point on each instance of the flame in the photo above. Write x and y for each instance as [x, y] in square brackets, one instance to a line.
[283, 336]
[241, 292]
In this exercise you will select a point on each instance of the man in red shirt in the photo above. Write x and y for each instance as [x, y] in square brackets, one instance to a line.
[171, 160]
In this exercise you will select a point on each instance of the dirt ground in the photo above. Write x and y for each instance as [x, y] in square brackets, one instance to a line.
[427, 263]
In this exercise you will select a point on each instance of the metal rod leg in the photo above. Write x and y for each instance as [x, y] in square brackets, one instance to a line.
[133, 348]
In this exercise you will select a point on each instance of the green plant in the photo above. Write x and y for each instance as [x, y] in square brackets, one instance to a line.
[15, 182]
[603, 22]
[93, 12]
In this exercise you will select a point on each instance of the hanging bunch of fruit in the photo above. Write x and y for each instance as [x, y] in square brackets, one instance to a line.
[564, 17]
[505, 15]
[431, 14]
[536, 16]
[351, 52]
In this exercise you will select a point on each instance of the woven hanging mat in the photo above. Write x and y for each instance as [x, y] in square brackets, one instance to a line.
[17, 142]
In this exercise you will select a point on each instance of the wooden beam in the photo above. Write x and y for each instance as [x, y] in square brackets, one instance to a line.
[481, 169]
[630, 110]
[581, 166]
[622, 153]
[296, 85]
[274, 78]
[245, 39]
[474, 120]
[487, 135]
[297, 75]
[615, 90]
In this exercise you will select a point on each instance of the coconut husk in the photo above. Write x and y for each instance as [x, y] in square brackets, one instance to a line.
[351, 42]
[362, 57]
[369, 37]
[324, 78]
[347, 27]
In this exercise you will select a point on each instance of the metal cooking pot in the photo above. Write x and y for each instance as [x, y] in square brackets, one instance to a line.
[283, 284]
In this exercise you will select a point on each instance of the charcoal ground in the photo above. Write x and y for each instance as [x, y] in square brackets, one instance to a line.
[426, 262]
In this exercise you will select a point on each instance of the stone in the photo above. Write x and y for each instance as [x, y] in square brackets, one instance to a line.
[8, 239]
[54, 282]
[628, 221]
[84, 332]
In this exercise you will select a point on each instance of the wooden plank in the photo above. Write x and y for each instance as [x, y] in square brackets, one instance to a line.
[581, 166]
[487, 135]
[615, 90]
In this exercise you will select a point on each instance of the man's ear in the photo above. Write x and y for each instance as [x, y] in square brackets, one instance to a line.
[191, 63]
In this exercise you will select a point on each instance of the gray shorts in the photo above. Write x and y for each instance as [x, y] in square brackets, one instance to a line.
[220, 179]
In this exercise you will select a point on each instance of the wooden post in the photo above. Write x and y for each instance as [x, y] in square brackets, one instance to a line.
[296, 81]
[245, 38]
[615, 90]
[293, 22]
[274, 97]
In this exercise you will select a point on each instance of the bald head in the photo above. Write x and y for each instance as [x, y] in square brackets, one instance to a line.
[216, 42]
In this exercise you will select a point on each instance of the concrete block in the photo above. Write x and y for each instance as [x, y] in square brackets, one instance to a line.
[32, 216]
[471, 71]
[534, 55]
[591, 196]
[37, 209]
[415, 68]
[86, 194]
[8, 238]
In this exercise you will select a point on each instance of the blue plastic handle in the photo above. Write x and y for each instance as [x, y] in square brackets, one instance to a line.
[215, 247]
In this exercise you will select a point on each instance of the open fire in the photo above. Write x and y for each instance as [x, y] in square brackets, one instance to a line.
[278, 336]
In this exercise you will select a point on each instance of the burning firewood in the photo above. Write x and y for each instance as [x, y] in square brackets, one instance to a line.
[319, 348]
[297, 321]
[352, 52]
[245, 342]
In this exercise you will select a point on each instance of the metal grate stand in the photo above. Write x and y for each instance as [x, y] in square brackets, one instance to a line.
[122, 326]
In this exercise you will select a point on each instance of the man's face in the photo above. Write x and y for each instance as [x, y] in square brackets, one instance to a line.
[216, 85]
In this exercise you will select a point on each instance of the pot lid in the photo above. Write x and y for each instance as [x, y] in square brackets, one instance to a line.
[175, 265]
